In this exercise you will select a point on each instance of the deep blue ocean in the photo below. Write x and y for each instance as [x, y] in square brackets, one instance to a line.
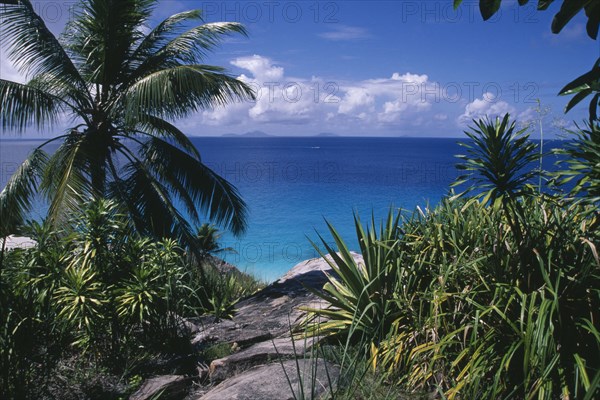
[292, 185]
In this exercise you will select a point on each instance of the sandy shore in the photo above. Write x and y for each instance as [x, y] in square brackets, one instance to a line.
[16, 242]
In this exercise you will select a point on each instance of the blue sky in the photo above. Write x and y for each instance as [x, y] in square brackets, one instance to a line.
[383, 68]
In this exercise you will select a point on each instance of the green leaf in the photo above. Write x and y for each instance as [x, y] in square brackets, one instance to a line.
[584, 81]
[488, 8]
[568, 10]
[592, 11]
[577, 98]
[17, 196]
[593, 107]
[23, 105]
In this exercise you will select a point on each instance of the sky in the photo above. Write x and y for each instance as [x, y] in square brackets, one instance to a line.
[382, 68]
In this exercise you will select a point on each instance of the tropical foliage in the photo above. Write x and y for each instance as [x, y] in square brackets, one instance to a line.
[121, 86]
[582, 159]
[98, 293]
[477, 299]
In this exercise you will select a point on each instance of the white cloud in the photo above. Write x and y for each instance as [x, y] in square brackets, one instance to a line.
[371, 104]
[488, 105]
[279, 99]
[402, 103]
[262, 68]
[354, 99]
[344, 32]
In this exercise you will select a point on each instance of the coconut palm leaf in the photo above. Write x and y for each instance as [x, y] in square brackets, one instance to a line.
[157, 127]
[31, 46]
[181, 90]
[16, 198]
[169, 48]
[192, 45]
[150, 205]
[122, 88]
[23, 105]
[163, 32]
[100, 37]
[64, 181]
[213, 194]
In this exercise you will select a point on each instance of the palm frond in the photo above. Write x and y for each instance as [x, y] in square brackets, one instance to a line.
[31, 46]
[23, 105]
[149, 203]
[65, 183]
[75, 100]
[189, 47]
[118, 82]
[16, 197]
[162, 34]
[157, 127]
[101, 35]
[192, 46]
[211, 193]
[174, 188]
[176, 92]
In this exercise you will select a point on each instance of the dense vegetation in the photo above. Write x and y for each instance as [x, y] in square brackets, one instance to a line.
[496, 295]
[89, 309]
[117, 263]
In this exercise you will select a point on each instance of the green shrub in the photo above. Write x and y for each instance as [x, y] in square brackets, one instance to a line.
[457, 321]
[98, 293]
[495, 296]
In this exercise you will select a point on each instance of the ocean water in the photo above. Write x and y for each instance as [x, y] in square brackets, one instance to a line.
[293, 185]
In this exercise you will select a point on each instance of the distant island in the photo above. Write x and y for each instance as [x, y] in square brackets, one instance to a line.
[253, 134]
[261, 134]
[327, 134]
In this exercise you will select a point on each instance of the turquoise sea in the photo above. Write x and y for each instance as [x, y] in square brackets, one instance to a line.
[292, 185]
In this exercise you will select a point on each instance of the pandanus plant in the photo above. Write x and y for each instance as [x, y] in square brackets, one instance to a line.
[498, 165]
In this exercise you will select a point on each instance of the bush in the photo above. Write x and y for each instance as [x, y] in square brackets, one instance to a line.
[496, 298]
[453, 318]
[97, 293]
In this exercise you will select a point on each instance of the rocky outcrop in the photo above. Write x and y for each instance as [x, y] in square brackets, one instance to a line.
[279, 381]
[263, 360]
[166, 386]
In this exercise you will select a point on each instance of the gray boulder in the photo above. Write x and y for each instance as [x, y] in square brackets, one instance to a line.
[259, 335]
[166, 386]
[279, 381]
[259, 353]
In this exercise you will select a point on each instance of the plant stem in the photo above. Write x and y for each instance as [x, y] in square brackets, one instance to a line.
[2, 259]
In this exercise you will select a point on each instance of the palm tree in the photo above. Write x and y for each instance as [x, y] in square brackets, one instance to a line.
[208, 241]
[122, 88]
